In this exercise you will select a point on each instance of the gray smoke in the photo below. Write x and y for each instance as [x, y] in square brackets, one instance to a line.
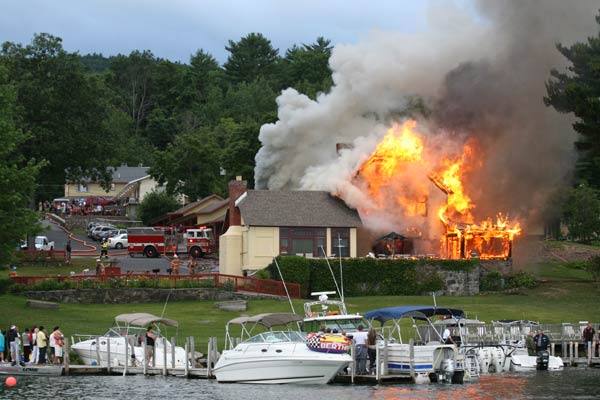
[480, 74]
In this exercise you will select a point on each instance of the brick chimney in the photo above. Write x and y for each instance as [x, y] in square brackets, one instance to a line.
[236, 189]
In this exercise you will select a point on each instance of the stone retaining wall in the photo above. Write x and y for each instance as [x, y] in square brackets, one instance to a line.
[140, 295]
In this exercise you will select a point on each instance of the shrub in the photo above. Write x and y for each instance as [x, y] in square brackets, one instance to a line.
[520, 279]
[491, 281]
[229, 285]
[593, 268]
[5, 285]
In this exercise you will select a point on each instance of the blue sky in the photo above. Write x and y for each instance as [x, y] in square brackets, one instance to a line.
[175, 29]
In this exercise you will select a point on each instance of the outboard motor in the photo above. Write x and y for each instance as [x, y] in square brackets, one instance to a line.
[447, 370]
[543, 358]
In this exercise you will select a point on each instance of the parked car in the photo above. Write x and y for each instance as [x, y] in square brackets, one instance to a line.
[96, 231]
[42, 243]
[117, 232]
[106, 234]
[118, 241]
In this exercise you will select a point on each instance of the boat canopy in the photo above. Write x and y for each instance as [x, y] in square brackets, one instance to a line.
[144, 319]
[268, 320]
[418, 312]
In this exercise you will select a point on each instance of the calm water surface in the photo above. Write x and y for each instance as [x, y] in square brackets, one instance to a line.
[573, 383]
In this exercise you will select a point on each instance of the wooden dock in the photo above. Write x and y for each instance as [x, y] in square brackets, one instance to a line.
[200, 373]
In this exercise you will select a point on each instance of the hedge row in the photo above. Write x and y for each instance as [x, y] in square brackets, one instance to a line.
[367, 276]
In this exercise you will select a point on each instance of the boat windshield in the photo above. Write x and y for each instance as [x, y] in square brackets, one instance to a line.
[277, 337]
[124, 331]
[341, 324]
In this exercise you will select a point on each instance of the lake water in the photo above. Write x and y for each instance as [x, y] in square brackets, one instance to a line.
[572, 383]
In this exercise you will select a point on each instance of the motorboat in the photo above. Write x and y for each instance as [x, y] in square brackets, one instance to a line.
[276, 357]
[328, 314]
[426, 358]
[125, 342]
[31, 369]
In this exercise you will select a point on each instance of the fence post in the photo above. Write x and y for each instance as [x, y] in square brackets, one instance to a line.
[108, 355]
[411, 358]
[164, 356]
[126, 355]
[172, 352]
[98, 351]
[66, 359]
[145, 367]
[209, 357]
[187, 371]
[192, 351]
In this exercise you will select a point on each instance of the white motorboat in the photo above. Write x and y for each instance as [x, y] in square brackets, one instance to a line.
[125, 342]
[274, 357]
[427, 359]
[521, 361]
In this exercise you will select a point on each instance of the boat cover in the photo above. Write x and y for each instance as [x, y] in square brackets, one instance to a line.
[144, 319]
[418, 312]
[268, 320]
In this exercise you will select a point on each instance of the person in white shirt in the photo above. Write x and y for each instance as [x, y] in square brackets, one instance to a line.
[360, 340]
[52, 341]
[447, 336]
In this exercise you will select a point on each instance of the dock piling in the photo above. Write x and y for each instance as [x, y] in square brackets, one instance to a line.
[164, 356]
[187, 360]
[108, 356]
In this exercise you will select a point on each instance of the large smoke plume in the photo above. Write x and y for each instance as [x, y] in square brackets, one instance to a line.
[480, 71]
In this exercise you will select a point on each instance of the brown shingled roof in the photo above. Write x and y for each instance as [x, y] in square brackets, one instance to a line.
[296, 208]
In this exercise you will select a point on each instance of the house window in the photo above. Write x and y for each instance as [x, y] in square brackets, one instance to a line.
[340, 242]
[82, 187]
[301, 241]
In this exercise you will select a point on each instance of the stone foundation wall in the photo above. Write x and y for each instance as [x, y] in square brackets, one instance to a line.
[140, 295]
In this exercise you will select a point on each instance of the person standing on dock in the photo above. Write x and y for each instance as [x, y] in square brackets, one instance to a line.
[14, 343]
[541, 341]
[372, 350]
[42, 342]
[58, 346]
[588, 333]
[26, 344]
[360, 339]
[530, 343]
[2, 346]
[35, 354]
[150, 339]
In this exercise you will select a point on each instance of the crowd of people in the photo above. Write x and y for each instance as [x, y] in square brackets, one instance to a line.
[31, 346]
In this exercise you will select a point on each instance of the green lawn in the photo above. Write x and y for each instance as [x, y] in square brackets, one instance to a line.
[77, 266]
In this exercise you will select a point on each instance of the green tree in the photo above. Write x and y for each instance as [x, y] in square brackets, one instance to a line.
[577, 91]
[156, 204]
[64, 108]
[307, 69]
[251, 58]
[582, 213]
[17, 176]
[132, 78]
[190, 165]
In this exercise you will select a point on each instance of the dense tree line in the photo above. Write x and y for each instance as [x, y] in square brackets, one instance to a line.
[65, 116]
[195, 124]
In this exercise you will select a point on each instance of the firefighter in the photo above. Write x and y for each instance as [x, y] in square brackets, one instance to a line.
[104, 251]
[175, 265]
[192, 265]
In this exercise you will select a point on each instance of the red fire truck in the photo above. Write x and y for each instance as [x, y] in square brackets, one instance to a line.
[153, 241]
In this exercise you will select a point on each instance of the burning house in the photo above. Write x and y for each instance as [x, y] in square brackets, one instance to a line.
[422, 184]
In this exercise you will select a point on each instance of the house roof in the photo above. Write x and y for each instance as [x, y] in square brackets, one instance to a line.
[214, 207]
[188, 207]
[296, 208]
[126, 174]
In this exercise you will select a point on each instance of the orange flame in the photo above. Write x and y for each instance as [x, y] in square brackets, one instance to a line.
[402, 147]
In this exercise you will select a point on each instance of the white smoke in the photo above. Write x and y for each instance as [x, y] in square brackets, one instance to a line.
[481, 73]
